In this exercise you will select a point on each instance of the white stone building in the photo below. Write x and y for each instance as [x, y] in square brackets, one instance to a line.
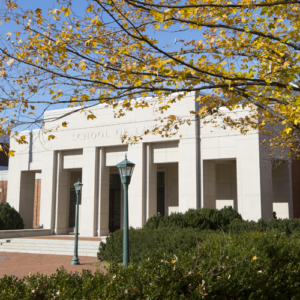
[207, 167]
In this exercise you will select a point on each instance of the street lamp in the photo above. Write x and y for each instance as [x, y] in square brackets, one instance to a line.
[125, 169]
[78, 186]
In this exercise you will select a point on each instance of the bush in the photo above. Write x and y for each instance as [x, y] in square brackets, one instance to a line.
[205, 218]
[10, 218]
[145, 243]
[243, 266]
[287, 226]
[228, 214]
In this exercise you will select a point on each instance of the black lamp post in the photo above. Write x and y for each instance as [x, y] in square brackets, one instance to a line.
[78, 186]
[125, 169]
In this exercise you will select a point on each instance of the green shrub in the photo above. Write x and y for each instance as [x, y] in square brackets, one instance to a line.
[159, 221]
[10, 218]
[287, 226]
[241, 266]
[205, 218]
[194, 218]
[145, 243]
[228, 214]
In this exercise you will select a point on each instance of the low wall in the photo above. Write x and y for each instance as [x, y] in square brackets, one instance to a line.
[4, 234]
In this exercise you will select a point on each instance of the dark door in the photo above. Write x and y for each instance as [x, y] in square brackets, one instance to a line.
[161, 193]
[72, 207]
[114, 202]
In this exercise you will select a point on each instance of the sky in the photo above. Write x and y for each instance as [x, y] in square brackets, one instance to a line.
[12, 27]
[79, 7]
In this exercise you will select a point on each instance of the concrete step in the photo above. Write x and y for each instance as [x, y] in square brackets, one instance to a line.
[49, 246]
[80, 253]
[47, 241]
[3, 248]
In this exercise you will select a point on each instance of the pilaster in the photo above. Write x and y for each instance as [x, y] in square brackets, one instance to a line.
[89, 191]
[136, 198]
[62, 196]
[103, 196]
[150, 184]
[188, 171]
[47, 208]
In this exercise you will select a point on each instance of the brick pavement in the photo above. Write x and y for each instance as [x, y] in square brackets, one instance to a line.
[21, 264]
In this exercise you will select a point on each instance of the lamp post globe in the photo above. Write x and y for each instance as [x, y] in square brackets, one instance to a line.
[78, 186]
[125, 168]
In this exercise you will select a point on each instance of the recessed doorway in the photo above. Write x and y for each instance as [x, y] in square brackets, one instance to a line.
[72, 208]
[75, 175]
[114, 202]
[161, 193]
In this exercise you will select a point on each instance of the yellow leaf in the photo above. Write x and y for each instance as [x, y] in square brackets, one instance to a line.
[92, 116]
[51, 137]
[90, 8]
[288, 130]
[11, 153]
[254, 257]
[82, 65]
[64, 124]
[67, 12]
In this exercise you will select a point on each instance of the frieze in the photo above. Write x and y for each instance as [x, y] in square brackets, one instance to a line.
[104, 134]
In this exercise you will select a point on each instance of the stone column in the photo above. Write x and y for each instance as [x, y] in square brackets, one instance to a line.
[62, 196]
[14, 181]
[47, 209]
[103, 195]
[188, 172]
[27, 198]
[89, 192]
[248, 177]
[136, 198]
[151, 184]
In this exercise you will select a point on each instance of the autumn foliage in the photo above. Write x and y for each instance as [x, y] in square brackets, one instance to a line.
[233, 54]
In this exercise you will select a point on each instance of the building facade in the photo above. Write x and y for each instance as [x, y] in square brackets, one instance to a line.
[207, 166]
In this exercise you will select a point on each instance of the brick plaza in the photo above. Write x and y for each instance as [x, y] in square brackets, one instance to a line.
[23, 264]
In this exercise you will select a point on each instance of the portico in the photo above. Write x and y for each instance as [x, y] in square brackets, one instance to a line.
[206, 167]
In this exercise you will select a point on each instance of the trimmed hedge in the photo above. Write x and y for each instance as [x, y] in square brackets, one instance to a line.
[205, 218]
[10, 218]
[286, 225]
[244, 266]
[145, 243]
[182, 232]
[226, 219]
